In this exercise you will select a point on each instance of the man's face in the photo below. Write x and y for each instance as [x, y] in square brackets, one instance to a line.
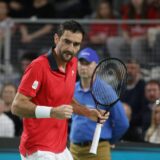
[104, 10]
[133, 71]
[85, 69]
[3, 9]
[152, 92]
[8, 94]
[68, 44]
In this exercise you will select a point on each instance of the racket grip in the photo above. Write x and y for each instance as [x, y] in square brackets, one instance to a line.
[95, 140]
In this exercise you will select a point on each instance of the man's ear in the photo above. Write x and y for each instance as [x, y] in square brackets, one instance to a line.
[56, 38]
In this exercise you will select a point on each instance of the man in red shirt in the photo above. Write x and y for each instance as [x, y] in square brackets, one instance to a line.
[44, 98]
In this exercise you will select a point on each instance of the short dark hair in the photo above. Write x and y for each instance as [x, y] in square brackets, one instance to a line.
[153, 81]
[72, 26]
[132, 61]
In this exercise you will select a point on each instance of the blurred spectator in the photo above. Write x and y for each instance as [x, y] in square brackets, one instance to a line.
[7, 125]
[7, 94]
[134, 96]
[154, 32]
[10, 76]
[135, 35]
[42, 9]
[152, 93]
[99, 34]
[30, 36]
[25, 60]
[19, 8]
[72, 8]
[5, 25]
[117, 6]
[153, 132]
[154, 9]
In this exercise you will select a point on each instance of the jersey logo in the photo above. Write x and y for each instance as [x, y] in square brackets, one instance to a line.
[35, 85]
[72, 72]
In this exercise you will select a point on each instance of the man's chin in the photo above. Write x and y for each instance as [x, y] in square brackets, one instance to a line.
[67, 59]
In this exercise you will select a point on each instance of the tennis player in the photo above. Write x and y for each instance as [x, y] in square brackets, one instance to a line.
[44, 98]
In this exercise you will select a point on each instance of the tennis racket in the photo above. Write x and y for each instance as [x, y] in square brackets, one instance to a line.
[108, 80]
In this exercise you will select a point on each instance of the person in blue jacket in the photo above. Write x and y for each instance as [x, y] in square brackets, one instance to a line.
[82, 128]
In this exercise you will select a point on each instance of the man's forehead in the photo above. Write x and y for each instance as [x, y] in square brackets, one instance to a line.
[132, 65]
[75, 37]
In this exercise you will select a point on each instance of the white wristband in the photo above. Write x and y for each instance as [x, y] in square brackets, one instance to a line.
[43, 112]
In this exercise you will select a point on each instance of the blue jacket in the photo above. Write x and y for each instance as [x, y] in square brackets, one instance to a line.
[82, 128]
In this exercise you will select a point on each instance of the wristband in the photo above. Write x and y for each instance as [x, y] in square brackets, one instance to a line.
[43, 112]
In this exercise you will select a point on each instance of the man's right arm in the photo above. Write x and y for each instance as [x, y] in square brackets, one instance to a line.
[23, 107]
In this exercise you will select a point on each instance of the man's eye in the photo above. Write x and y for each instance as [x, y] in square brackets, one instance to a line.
[76, 44]
[67, 41]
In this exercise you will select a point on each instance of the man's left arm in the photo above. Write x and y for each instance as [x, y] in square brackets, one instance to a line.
[93, 114]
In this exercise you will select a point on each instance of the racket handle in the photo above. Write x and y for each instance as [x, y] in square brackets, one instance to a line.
[95, 140]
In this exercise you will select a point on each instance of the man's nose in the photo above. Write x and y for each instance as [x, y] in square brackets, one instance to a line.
[71, 46]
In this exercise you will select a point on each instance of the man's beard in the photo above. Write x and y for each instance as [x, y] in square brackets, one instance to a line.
[67, 56]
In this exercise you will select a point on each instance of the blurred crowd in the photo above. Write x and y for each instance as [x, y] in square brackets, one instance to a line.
[121, 40]
[82, 8]
[126, 41]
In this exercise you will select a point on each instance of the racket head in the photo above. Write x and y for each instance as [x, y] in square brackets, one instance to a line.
[108, 80]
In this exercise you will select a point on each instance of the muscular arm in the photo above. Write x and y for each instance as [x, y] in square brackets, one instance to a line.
[23, 107]
[79, 109]
[93, 114]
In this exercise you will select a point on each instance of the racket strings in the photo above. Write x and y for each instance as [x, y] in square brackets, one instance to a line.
[109, 80]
